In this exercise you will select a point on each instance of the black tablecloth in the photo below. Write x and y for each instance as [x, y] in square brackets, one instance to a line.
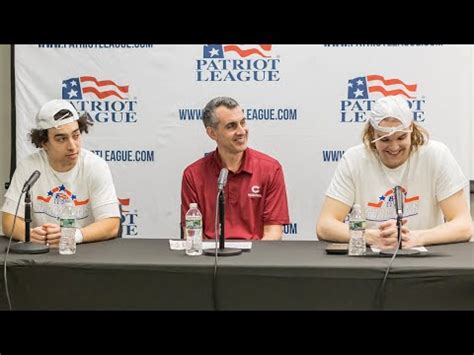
[291, 275]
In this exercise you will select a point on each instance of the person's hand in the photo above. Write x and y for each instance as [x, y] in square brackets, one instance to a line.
[388, 234]
[38, 235]
[53, 233]
[412, 240]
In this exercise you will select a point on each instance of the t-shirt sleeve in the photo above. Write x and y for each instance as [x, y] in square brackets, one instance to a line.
[9, 206]
[276, 202]
[342, 187]
[450, 178]
[106, 211]
[104, 202]
[14, 190]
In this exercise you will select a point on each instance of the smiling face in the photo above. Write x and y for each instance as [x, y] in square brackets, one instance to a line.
[393, 150]
[63, 146]
[231, 131]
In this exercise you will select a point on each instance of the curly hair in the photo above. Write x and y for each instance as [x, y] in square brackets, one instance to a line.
[39, 137]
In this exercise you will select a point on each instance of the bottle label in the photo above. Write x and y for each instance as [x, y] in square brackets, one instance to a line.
[357, 224]
[193, 223]
[67, 223]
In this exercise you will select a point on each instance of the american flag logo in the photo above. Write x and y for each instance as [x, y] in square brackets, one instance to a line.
[389, 196]
[61, 194]
[215, 51]
[360, 87]
[75, 88]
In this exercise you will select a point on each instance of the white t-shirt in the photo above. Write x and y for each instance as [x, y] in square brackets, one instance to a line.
[89, 185]
[430, 175]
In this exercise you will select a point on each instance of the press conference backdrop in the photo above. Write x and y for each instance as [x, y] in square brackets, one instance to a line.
[305, 105]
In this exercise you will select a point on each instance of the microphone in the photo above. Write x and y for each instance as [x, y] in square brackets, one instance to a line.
[31, 181]
[399, 198]
[222, 180]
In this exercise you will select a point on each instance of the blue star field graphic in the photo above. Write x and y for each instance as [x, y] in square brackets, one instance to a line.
[71, 89]
[213, 51]
[357, 88]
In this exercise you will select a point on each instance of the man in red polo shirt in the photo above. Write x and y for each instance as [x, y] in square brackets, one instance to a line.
[256, 205]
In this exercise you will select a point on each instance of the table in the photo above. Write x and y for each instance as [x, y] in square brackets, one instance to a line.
[144, 274]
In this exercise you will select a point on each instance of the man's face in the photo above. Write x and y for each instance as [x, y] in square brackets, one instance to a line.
[63, 146]
[393, 150]
[231, 132]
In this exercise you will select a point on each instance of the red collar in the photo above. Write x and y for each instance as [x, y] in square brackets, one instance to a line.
[245, 166]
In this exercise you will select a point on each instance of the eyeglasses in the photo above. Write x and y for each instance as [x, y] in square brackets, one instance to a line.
[62, 115]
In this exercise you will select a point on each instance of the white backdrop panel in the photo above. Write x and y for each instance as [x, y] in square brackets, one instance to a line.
[153, 127]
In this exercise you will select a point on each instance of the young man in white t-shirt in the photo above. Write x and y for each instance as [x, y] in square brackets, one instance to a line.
[396, 151]
[68, 173]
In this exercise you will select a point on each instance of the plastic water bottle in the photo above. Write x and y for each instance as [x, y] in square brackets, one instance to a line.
[193, 231]
[357, 231]
[67, 242]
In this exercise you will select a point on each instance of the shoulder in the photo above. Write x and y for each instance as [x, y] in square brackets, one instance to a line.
[358, 153]
[435, 145]
[92, 161]
[199, 164]
[262, 158]
[356, 150]
[37, 156]
[435, 156]
[433, 148]
[33, 160]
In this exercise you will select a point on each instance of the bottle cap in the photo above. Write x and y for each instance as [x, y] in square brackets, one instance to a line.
[193, 205]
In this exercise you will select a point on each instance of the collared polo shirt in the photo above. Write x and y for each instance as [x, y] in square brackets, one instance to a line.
[255, 195]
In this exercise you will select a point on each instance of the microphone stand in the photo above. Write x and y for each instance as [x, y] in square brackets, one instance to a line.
[222, 251]
[400, 251]
[399, 232]
[28, 247]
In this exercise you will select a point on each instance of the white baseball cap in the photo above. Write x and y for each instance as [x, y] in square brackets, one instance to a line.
[56, 113]
[394, 107]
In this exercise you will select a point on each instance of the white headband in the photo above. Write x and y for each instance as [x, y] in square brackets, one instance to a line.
[393, 107]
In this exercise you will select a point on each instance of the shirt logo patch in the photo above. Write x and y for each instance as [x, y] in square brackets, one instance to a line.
[255, 192]
[51, 204]
[384, 208]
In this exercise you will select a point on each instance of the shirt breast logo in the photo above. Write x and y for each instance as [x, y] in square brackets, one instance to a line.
[255, 192]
